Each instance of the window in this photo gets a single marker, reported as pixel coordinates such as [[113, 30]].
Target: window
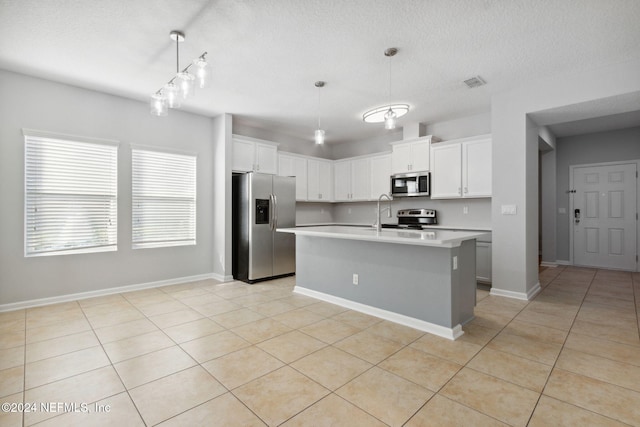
[[70, 195], [164, 199]]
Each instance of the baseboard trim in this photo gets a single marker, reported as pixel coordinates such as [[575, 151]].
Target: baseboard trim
[[563, 262], [221, 278], [103, 292], [517, 295], [548, 264], [432, 328]]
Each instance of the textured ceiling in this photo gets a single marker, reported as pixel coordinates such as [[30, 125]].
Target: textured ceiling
[[267, 54]]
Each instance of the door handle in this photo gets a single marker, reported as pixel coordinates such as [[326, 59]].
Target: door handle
[[272, 208], [576, 216], [275, 212]]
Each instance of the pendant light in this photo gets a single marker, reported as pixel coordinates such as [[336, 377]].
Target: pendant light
[[183, 83], [391, 112], [159, 104], [319, 134]]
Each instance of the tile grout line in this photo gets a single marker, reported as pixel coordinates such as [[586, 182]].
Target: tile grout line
[[563, 347], [563, 344], [468, 361]]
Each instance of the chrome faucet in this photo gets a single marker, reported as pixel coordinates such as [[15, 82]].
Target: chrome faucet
[[378, 224]]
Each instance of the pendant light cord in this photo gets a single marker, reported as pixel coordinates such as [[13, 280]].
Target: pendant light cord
[[177, 54], [389, 93], [319, 107]]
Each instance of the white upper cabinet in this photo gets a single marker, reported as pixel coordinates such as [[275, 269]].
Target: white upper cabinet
[[294, 166], [476, 168], [446, 171], [352, 180], [380, 175], [319, 180], [251, 154], [411, 156], [461, 168], [342, 181], [361, 179]]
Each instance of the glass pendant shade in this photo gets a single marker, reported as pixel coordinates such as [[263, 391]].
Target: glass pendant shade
[[158, 105], [202, 72], [186, 84], [390, 119], [319, 136], [172, 94]]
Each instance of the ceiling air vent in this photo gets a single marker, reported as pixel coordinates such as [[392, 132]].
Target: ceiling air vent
[[475, 82]]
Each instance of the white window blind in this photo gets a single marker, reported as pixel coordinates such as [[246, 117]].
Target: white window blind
[[70, 196], [164, 199]]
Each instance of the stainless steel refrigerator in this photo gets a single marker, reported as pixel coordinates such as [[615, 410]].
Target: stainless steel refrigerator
[[261, 204]]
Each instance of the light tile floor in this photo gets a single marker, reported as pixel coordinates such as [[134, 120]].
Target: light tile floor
[[210, 353]]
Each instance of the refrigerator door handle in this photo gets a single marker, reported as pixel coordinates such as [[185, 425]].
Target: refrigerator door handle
[[271, 209], [275, 212]]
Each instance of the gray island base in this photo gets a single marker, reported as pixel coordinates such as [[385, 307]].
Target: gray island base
[[425, 280]]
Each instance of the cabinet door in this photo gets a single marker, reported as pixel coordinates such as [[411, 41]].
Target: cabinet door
[[285, 165], [300, 172], [483, 262], [476, 168], [401, 158], [446, 171], [342, 181], [266, 158], [380, 176], [243, 156], [294, 166], [325, 180], [360, 179], [319, 180], [420, 156]]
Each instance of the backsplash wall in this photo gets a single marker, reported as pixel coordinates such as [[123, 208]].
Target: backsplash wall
[[314, 213], [450, 212]]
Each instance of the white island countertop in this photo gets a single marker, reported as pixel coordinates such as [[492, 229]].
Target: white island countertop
[[438, 238]]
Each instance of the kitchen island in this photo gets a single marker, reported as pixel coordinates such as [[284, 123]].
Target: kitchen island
[[422, 279]]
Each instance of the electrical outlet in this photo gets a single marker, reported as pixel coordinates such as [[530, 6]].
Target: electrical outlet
[[465, 210], [355, 278], [455, 262]]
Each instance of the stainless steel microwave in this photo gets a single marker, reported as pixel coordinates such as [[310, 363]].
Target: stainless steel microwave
[[410, 184]]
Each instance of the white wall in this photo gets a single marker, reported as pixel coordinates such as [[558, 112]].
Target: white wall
[[363, 147], [221, 194], [515, 162], [28, 102], [477, 124], [598, 147], [287, 143]]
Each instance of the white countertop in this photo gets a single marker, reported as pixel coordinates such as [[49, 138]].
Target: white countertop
[[437, 227], [438, 238]]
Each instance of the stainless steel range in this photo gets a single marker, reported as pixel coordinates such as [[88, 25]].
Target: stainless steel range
[[414, 218]]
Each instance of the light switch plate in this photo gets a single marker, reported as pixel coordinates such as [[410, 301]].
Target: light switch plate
[[562, 210], [509, 209]]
